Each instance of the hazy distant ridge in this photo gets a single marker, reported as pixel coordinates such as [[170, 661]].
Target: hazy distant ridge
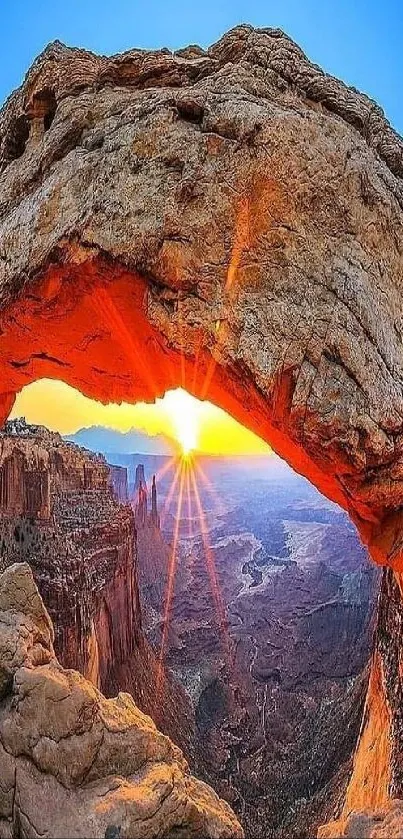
[[100, 439]]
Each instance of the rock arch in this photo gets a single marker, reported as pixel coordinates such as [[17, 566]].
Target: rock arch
[[227, 220]]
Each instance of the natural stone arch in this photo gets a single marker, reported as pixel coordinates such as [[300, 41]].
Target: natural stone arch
[[229, 221]]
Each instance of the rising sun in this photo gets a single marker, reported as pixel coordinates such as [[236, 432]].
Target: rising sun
[[184, 414]]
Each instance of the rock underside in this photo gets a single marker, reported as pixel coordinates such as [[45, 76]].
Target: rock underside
[[227, 220]]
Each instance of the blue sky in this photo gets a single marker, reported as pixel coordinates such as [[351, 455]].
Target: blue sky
[[358, 40]]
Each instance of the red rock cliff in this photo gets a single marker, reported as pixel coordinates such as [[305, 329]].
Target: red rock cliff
[[377, 778], [81, 545], [35, 462]]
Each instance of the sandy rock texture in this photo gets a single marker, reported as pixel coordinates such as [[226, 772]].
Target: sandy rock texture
[[73, 763], [379, 824], [373, 804], [229, 220]]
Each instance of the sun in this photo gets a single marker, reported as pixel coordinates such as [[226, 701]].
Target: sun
[[183, 411]]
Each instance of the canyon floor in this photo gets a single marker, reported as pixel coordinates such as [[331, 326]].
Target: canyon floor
[[269, 630]]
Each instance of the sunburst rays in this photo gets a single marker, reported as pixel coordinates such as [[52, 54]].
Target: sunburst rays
[[187, 472], [173, 561], [187, 492]]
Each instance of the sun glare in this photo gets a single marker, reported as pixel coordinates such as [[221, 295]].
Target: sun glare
[[184, 415], [187, 422]]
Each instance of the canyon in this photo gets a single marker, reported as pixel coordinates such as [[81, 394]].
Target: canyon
[[270, 630], [230, 221], [80, 543], [266, 643], [268, 635]]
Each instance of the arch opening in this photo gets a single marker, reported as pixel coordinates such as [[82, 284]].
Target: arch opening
[[263, 635], [118, 336]]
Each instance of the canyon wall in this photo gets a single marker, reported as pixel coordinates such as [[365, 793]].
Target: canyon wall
[[81, 546], [373, 803], [118, 483], [74, 764], [153, 551], [28, 474]]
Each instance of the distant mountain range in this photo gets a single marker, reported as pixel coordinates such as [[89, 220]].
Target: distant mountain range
[[107, 440]]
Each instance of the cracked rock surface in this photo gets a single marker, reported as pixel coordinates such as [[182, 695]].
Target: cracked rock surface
[[73, 763]]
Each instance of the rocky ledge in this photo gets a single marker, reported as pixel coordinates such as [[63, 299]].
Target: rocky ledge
[[73, 763], [386, 823]]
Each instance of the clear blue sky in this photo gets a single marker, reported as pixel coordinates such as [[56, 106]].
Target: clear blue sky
[[358, 40]]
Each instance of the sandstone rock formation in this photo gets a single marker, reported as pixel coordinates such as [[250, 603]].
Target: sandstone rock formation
[[34, 463], [227, 220], [118, 483], [155, 519], [81, 545], [377, 777], [76, 764]]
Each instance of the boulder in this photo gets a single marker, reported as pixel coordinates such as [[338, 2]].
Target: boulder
[[74, 764]]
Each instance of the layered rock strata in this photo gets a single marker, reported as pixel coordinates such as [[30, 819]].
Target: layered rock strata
[[228, 220], [153, 551], [35, 464], [118, 483], [76, 764], [83, 556]]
